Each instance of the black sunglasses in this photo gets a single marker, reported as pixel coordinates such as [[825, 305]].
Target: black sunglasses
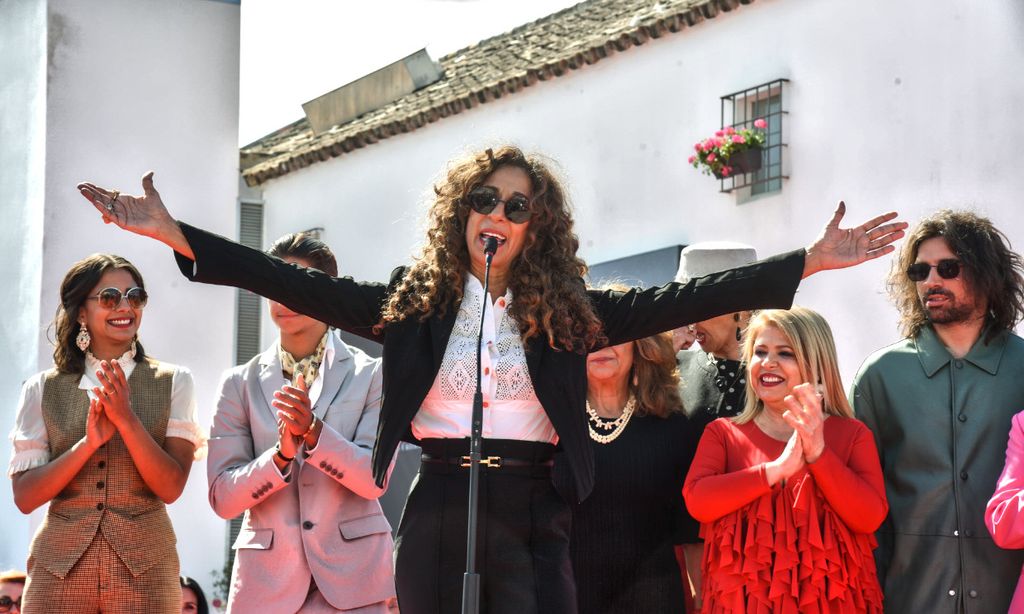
[[484, 199], [6, 603], [947, 269], [110, 298]]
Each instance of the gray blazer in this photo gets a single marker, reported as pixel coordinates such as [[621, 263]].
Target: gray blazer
[[322, 521]]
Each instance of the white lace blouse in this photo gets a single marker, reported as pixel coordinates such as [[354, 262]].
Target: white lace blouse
[[31, 444], [511, 407]]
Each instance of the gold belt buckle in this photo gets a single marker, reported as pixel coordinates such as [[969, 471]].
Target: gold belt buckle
[[491, 462]]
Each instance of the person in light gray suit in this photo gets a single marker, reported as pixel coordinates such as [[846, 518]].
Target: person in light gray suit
[[290, 447]]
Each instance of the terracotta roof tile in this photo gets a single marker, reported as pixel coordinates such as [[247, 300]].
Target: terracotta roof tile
[[493, 68]]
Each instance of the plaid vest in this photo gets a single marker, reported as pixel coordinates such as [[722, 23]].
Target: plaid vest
[[108, 494]]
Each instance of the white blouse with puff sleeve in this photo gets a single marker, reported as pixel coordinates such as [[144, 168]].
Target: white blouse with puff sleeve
[[31, 445]]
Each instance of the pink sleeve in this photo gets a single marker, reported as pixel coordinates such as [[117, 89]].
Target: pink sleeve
[[1003, 514], [856, 488], [709, 491]]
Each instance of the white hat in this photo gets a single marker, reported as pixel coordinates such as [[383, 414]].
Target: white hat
[[709, 257]]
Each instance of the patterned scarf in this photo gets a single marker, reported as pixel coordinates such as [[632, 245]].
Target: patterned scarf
[[309, 366]]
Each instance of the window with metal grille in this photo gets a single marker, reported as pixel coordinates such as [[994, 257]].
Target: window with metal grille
[[740, 110]]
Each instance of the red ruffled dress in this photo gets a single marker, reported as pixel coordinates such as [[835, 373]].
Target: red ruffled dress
[[800, 547]]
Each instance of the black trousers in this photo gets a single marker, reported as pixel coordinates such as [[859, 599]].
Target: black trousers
[[522, 544]]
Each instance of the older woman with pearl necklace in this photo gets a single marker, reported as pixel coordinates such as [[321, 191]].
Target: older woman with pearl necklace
[[623, 534]]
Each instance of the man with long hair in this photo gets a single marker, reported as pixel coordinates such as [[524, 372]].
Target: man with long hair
[[940, 404]]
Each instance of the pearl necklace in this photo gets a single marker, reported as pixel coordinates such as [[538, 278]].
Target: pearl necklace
[[616, 425]]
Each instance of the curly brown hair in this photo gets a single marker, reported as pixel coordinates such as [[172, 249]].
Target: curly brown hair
[[546, 277], [989, 268], [78, 282]]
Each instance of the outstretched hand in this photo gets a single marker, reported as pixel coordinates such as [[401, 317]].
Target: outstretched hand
[[837, 248], [145, 215]]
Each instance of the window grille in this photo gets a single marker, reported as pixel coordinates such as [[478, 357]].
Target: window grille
[[740, 110]]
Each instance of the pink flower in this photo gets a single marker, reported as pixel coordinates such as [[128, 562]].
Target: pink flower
[[711, 157], [217, 603], [736, 138], [699, 147], [726, 170], [719, 133], [730, 131], [760, 123], [691, 159]]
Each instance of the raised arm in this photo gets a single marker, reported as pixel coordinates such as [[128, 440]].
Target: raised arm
[[144, 215], [208, 258], [770, 283], [837, 248], [1004, 514]]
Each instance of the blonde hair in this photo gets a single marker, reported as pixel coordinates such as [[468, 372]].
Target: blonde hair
[[811, 339]]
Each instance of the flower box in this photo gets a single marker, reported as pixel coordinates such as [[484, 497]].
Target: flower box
[[730, 151], [746, 161]]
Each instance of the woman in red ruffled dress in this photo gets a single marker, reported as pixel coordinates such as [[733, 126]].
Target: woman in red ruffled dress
[[790, 492]]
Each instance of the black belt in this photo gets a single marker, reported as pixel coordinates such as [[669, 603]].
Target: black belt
[[489, 462], [496, 454]]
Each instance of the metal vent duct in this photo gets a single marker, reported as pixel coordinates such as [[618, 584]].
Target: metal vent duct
[[372, 92]]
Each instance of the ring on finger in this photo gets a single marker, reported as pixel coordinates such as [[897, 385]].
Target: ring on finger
[[113, 199]]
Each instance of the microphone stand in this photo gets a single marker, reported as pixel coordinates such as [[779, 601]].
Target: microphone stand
[[471, 579]]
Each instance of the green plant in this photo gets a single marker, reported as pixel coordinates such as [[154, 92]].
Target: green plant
[[221, 585], [713, 154]]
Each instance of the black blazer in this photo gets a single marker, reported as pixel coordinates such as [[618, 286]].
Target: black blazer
[[413, 350]]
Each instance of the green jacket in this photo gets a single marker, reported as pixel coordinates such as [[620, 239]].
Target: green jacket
[[941, 426]]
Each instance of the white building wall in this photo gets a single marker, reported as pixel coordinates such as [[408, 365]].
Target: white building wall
[[22, 151], [131, 85], [909, 106]]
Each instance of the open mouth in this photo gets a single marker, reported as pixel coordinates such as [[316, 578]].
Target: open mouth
[[770, 379], [120, 322], [487, 233]]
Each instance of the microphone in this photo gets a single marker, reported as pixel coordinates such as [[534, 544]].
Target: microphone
[[471, 579], [490, 247]]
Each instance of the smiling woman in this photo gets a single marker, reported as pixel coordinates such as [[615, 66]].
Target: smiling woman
[[539, 322], [797, 465], [107, 437]]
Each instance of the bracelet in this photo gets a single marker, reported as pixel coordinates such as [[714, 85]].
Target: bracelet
[[278, 453], [312, 425]]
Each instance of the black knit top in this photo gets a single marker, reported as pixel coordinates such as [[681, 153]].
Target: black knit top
[[624, 533]]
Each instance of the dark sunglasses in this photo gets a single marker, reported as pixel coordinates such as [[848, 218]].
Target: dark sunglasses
[[947, 269], [6, 603], [110, 298], [484, 199]]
